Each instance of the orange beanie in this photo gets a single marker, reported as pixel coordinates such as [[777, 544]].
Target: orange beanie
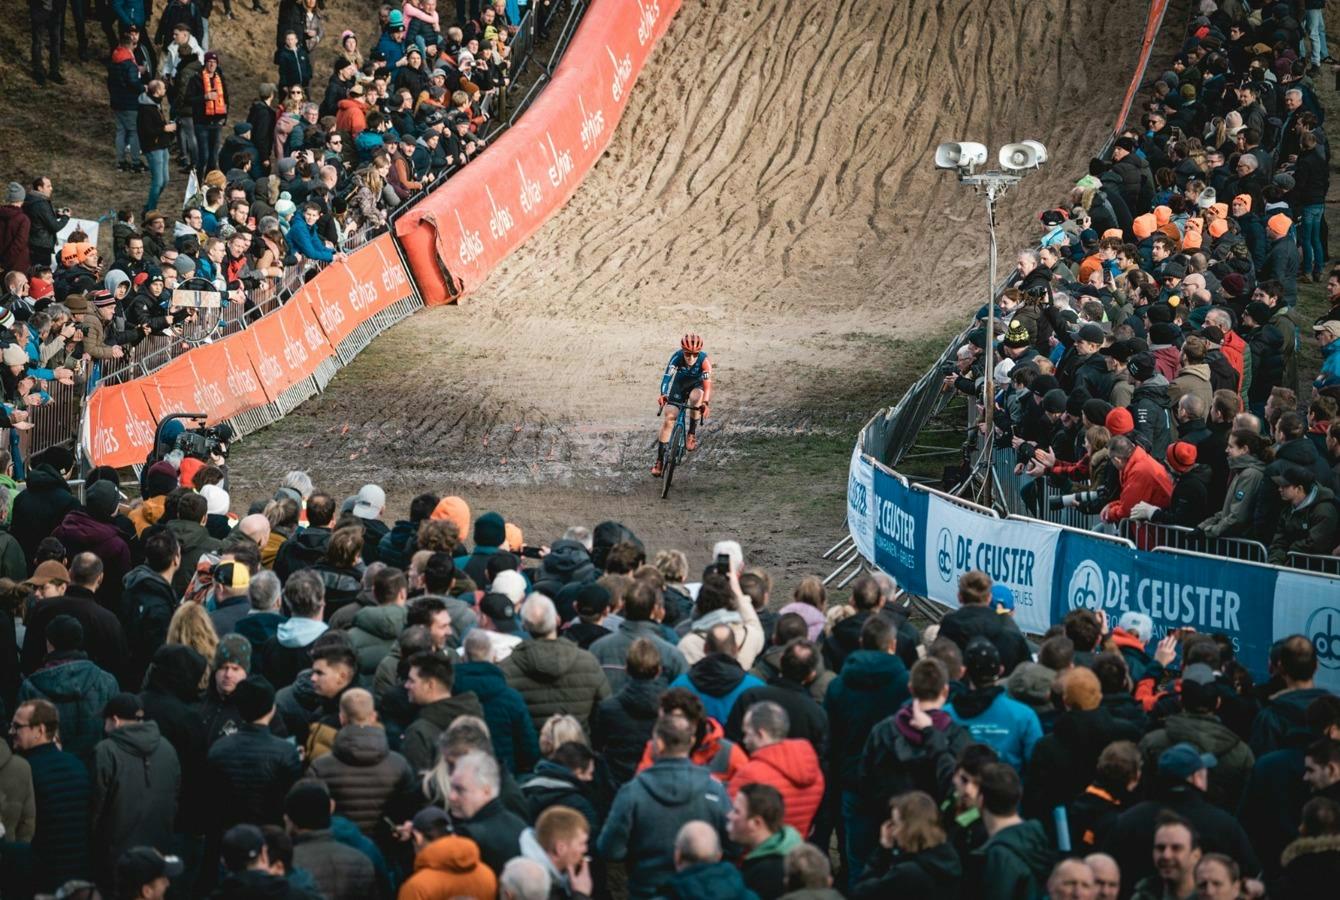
[[1191, 239], [1278, 225], [186, 472], [1245, 200], [1144, 226], [515, 540], [1114, 233], [454, 510], [1219, 210], [1162, 215], [1218, 228]]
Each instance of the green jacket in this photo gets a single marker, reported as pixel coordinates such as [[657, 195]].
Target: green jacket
[[1312, 527], [1209, 735], [1015, 863], [375, 631], [13, 564], [1246, 481], [136, 783]]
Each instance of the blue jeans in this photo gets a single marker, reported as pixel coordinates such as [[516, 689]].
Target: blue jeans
[[127, 136], [1309, 237], [207, 140], [1314, 27], [158, 176], [862, 835]]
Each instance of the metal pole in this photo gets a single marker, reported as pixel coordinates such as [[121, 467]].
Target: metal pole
[[988, 382]]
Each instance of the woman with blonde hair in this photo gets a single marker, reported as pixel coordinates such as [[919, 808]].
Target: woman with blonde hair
[[809, 601], [558, 730], [191, 627]]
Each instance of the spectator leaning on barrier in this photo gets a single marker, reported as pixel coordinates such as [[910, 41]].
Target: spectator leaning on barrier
[[1310, 520]]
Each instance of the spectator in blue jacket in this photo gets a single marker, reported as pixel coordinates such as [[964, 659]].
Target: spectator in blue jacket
[[649, 811], [717, 678], [124, 86], [511, 728], [305, 240], [392, 43], [1008, 726]]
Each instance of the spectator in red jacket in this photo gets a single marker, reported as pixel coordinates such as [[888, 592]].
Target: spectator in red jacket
[[788, 764], [1142, 479], [14, 229]]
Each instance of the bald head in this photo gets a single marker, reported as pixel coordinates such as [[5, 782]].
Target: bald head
[[720, 639], [256, 527], [696, 843], [1072, 879], [357, 708], [1106, 875], [478, 647]]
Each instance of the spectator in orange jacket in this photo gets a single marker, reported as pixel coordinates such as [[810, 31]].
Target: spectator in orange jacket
[[1142, 479], [788, 764], [722, 758]]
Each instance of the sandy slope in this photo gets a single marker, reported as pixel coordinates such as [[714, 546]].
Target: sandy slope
[[771, 186]]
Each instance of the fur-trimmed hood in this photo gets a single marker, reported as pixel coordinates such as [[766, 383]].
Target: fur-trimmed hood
[[1306, 846]]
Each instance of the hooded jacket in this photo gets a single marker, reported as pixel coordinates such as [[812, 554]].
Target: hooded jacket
[[719, 681], [552, 784], [1152, 410], [1312, 527], [556, 676], [150, 601], [170, 699], [1194, 378], [898, 757], [63, 792], [764, 867], [367, 780], [1008, 726], [80, 532], [289, 652], [935, 872], [871, 687], [1129, 838], [845, 638], [420, 742], [341, 871], [792, 767], [515, 742], [622, 726], [45, 500], [1142, 479], [721, 758], [123, 80], [1209, 735], [768, 667], [1065, 761], [79, 690], [807, 717], [1242, 503], [1281, 716], [302, 551], [496, 830], [1015, 863], [648, 813], [136, 785], [18, 807], [1311, 868], [195, 542], [743, 622], [611, 652], [719, 880], [376, 630], [449, 867]]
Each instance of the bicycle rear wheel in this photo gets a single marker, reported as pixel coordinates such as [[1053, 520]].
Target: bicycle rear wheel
[[672, 455]]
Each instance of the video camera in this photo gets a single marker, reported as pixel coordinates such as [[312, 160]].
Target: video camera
[[205, 443]]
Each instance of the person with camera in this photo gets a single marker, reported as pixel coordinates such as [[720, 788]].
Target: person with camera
[[1143, 480]]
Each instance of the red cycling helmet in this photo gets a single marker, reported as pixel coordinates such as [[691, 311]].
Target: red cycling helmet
[[693, 343]]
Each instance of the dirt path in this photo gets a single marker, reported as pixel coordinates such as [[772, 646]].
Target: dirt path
[[771, 187]]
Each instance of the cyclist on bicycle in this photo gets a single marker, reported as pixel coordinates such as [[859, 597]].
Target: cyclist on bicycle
[[687, 382]]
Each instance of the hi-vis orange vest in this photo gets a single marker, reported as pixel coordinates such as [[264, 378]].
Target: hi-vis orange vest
[[219, 105]]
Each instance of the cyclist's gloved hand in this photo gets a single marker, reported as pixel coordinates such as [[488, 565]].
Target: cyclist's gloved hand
[[660, 401]]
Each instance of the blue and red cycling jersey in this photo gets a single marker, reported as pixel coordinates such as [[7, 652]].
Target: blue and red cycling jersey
[[680, 379]]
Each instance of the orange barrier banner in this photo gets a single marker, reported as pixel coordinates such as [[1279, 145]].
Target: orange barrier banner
[[1157, 8], [248, 369], [475, 219]]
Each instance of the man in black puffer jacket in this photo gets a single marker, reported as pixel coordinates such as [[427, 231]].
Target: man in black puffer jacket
[[63, 792], [251, 770], [46, 222], [622, 724], [1150, 406]]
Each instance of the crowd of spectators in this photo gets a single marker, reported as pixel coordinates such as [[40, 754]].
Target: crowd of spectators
[[1148, 361], [282, 176], [313, 700]]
